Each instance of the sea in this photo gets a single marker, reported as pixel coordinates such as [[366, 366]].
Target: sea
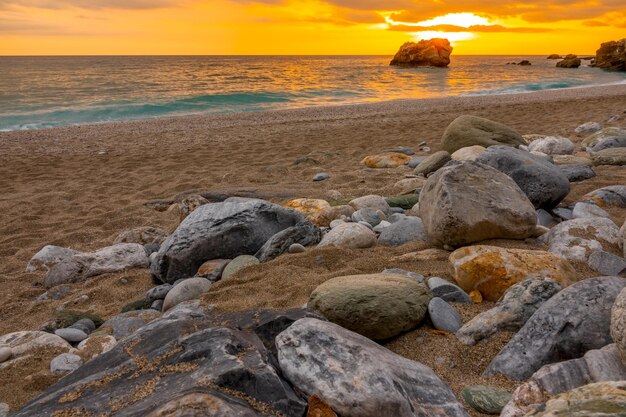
[[44, 92]]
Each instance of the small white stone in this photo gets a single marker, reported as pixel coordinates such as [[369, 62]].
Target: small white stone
[[296, 248]]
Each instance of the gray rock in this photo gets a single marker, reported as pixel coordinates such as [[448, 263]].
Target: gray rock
[[611, 196], [448, 291], [4, 409], [467, 202], [606, 133], [241, 262], [71, 335], [618, 324], [85, 324], [563, 213], [350, 235], [511, 312], [366, 224], [65, 363], [577, 172], [471, 130], [486, 399], [432, 163], [543, 182], [610, 156], [368, 215], [304, 233], [606, 263], [159, 292], [444, 316], [403, 231], [219, 231], [324, 359], [381, 226], [378, 306], [408, 274], [125, 324], [189, 289], [81, 266], [49, 256], [572, 322], [576, 239], [607, 143], [415, 161], [587, 210], [296, 248], [372, 201], [400, 149], [321, 176], [25, 342], [589, 127], [552, 145], [157, 305], [143, 236], [5, 353], [545, 219]]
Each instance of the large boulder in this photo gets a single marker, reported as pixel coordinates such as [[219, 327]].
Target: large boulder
[[618, 324], [605, 134], [425, 53], [378, 306], [466, 202], [219, 231], [569, 63], [611, 56], [492, 270], [544, 183], [566, 326], [471, 130], [358, 377]]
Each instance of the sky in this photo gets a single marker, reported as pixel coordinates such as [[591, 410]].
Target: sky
[[304, 27]]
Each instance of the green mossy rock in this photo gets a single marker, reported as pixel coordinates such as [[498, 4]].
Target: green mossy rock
[[486, 399]]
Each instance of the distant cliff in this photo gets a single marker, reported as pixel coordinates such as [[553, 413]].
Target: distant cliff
[[612, 56], [425, 53]]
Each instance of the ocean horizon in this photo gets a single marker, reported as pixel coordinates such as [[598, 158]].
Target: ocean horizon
[[49, 91]]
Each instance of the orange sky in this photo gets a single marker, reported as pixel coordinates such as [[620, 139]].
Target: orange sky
[[68, 27]]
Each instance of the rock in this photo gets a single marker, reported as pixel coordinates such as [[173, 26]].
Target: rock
[[143, 236], [378, 306], [66, 318], [572, 322], [159, 292], [468, 153], [492, 270], [622, 232], [189, 289], [447, 291], [618, 324], [368, 215], [96, 345], [350, 235], [610, 156], [432, 163], [545, 219], [402, 202], [552, 145], [431, 254], [469, 202], [238, 263], [485, 399], [296, 248], [65, 363], [86, 265], [307, 205], [576, 239], [5, 354], [577, 172], [571, 160], [611, 56], [543, 183], [304, 233], [555, 56], [381, 226], [157, 305], [425, 53], [49, 256], [444, 316], [401, 149], [403, 231], [25, 342], [219, 231], [563, 213], [467, 131], [321, 176], [587, 128], [375, 202], [611, 196], [318, 408], [313, 357], [587, 210], [212, 270], [336, 223], [323, 217], [602, 135], [594, 400], [408, 274], [4, 410], [569, 63], [511, 312], [415, 161], [386, 160], [86, 325], [476, 296], [125, 324], [409, 185], [612, 142], [71, 335]]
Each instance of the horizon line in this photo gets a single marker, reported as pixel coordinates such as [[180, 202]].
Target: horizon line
[[248, 55]]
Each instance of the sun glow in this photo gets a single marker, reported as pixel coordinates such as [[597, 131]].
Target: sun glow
[[451, 36], [457, 19]]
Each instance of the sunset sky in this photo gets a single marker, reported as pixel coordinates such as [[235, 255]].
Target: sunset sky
[[68, 27]]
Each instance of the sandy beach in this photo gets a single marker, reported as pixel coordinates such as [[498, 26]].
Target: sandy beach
[[81, 186]]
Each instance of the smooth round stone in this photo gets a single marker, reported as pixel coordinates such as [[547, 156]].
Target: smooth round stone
[[366, 224], [367, 215], [159, 292], [189, 289], [321, 176], [336, 223], [588, 209], [381, 226], [71, 335], [85, 323], [444, 316], [157, 305], [448, 291], [5, 354], [4, 409], [296, 248], [408, 274], [65, 363], [486, 399], [238, 263]]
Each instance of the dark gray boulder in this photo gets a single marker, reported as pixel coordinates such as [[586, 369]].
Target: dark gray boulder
[[304, 233], [544, 183], [572, 322], [577, 172], [358, 377], [219, 231], [610, 196]]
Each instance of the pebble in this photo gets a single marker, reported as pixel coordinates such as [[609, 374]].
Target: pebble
[[444, 316], [321, 176], [448, 291], [71, 335], [65, 363], [159, 292], [5, 354], [296, 248]]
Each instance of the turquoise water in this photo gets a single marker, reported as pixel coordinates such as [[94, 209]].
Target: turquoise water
[[41, 92]]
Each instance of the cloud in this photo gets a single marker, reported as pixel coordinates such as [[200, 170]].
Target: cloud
[[474, 28], [89, 4]]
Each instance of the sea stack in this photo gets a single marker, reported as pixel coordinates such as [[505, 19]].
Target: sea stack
[[612, 56], [425, 53]]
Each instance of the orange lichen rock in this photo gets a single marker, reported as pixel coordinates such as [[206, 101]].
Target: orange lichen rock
[[386, 160], [307, 205], [476, 296], [318, 408]]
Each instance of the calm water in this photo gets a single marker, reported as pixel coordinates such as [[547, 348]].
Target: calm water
[[39, 92]]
